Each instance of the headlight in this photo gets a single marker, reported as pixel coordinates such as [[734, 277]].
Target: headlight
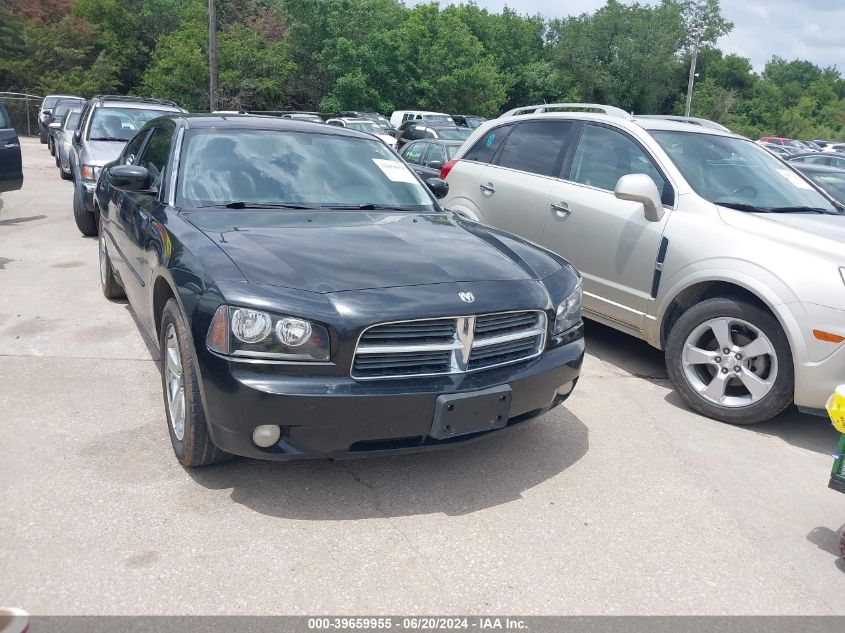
[[258, 334], [90, 172], [568, 313]]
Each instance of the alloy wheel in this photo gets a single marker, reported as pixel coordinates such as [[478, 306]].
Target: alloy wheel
[[175, 383], [730, 362]]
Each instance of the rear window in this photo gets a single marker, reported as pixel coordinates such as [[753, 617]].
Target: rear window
[[485, 147], [535, 147], [4, 120]]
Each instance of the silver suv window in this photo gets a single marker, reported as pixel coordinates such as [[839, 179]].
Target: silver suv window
[[535, 147], [604, 155], [737, 172]]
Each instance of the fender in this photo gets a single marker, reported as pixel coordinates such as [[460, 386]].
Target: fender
[[758, 281]]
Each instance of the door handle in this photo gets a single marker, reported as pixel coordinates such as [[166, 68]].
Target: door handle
[[560, 210], [488, 188]]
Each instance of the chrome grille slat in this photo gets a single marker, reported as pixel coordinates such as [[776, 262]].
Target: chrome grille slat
[[448, 345]]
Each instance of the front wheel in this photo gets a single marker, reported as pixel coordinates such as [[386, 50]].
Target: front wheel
[[180, 385], [42, 133], [86, 221], [730, 360], [108, 282]]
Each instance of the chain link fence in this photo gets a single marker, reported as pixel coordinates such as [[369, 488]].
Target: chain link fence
[[23, 111]]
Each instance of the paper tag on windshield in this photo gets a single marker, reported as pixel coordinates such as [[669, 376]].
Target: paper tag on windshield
[[795, 179], [394, 170]]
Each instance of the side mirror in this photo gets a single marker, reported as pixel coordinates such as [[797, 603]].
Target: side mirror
[[129, 177], [641, 188], [55, 125], [77, 136], [440, 188], [47, 113], [435, 164]]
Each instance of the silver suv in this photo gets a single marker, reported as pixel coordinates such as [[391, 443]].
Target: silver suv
[[692, 238], [105, 125]]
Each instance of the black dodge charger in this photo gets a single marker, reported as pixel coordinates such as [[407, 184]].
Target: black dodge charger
[[310, 298]]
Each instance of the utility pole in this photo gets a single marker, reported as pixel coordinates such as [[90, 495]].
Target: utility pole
[[212, 55], [692, 70]]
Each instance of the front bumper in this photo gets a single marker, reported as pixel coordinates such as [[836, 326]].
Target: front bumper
[[338, 417]]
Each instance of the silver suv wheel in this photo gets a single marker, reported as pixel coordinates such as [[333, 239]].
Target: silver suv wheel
[[730, 362]]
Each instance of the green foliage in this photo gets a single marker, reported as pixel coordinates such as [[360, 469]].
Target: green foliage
[[380, 55]]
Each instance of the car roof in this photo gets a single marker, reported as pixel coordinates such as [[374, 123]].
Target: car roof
[[261, 122]]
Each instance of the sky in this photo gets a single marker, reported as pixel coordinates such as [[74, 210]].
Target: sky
[[802, 29]]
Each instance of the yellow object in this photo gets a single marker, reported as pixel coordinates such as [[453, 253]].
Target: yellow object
[[836, 408]]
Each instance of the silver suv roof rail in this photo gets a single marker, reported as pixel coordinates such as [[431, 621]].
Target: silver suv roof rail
[[685, 119], [548, 107]]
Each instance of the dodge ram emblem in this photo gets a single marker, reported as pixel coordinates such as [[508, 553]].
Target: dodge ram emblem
[[466, 297]]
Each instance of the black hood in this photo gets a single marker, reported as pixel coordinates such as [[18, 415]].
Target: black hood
[[334, 251]]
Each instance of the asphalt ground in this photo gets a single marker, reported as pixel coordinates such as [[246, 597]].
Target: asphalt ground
[[621, 502]]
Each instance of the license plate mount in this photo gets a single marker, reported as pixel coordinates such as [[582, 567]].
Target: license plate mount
[[471, 412]]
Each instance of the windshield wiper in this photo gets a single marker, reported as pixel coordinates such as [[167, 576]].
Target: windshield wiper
[[108, 138], [367, 206], [238, 204], [739, 206]]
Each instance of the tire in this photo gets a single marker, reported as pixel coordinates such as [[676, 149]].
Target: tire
[[108, 282], [86, 221], [755, 387], [194, 447], [64, 175], [42, 133], [51, 146]]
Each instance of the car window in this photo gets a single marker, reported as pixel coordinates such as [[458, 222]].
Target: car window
[[118, 123], [4, 120], [836, 161], [71, 121], [535, 147], [335, 123], [604, 155], [833, 183], [286, 167], [485, 147], [49, 102], [736, 171], [155, 154], [412, 153], [435, 153], [130, 152]]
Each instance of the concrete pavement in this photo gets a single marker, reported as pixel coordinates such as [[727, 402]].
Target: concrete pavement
[[624, 502]]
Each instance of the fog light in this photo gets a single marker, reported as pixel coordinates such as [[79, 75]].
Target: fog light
[[266, 435], [565, 390]]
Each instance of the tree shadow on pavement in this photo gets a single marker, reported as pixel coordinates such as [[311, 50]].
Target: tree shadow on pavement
[[828, 540], [454, 481]]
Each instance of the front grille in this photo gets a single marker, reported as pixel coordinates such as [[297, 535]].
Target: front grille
[[448, 345]]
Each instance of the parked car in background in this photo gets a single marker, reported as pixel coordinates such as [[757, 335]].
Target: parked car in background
[[364, 125], [820, 158], [57, 116], [428, 157], [62, 138], [783, 151], [693, 239], [822, 144], [45, 113], [468, 120], [310, 117], [400, 116], [375, 117], [796, 145], [831, 179], [106, 123], [414, 130], [11, 169], [835, 147], [323, 304]]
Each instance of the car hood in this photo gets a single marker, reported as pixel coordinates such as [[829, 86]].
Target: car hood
[[815, 231], [102, 152], [334, 251]]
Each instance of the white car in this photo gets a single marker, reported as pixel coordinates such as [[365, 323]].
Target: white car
[[400, 116], [692, 238], [364, 125]]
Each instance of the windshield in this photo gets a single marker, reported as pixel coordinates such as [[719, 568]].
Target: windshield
[[832, 182], [275, 167], [72, 120], [733, 171], [49, 102], [62, 107], [438, 117], [120, 124], [369, 127]]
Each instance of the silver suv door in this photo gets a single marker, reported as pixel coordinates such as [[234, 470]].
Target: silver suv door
[[608, 240], [514, 188]]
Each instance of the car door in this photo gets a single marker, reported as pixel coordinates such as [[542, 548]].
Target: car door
[[608, 240], [11, 172], [513, 190], [433, 161], [146, 206], [118, 218]]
